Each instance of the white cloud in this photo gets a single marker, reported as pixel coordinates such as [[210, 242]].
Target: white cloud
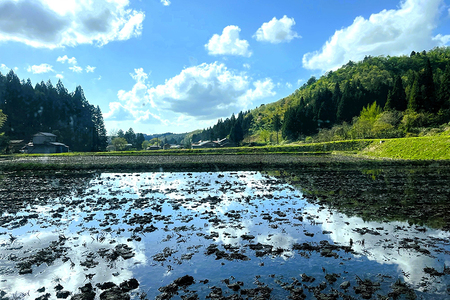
[[209, 91], [132, 105], [277, 31], [60, 76], [63, 59], [203, 92], [117, 112], [389, 32], [55, 23], [76, 69], [90, 69], [263, 88], [4, 68], [39, 69], [246, 66], [165, 2], [228, 43]]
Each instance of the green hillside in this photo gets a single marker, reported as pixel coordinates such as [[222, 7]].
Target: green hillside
[[378, 97]]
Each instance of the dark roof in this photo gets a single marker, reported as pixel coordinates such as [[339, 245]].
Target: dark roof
[[58, 144], [44, 134], [16, 141]]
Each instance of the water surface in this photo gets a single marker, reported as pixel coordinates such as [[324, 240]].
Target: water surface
[[236, 233]]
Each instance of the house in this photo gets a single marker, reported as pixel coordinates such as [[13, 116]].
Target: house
[[154, 147], [204, 144], [214, 144], [44, 142], [226, 143]]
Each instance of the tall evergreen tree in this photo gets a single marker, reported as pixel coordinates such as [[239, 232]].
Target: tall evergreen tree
[[291, 125], [428, 89], [139, 140], [100, 139], [276, 124], [337, 94], [415, 100], [13, 106], [396, 99], [444, 90], [130, 136], [236, 133], [346, 104]]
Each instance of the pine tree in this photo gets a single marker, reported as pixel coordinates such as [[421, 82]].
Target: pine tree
[[346, 103], [415, 96], [13, 106], [428, 89], [290, 127], [444, 90], [276, 124], [130, 136], [139, 140], [396, 99], [100, 140], [236, 133]]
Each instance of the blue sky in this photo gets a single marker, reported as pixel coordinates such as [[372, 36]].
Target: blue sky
[[176, 66]]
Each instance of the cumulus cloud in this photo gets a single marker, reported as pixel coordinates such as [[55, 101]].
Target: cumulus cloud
[[389, 32], [118, 112], [228, 43], [76, 69], [90, 69], [132, 105], [39, 69], [262, 89], [64, 59], [60, 76], [55, 23], [165, 2], [209, 91], [203, 92], [276, 31]]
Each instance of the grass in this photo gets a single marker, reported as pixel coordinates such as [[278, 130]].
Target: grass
[[417, 148]]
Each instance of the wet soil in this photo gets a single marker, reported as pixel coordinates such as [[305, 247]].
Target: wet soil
[[226, 235]]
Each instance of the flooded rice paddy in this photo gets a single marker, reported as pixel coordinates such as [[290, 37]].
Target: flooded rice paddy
[[351, 234]]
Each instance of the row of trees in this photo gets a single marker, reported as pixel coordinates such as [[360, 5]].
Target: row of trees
[[46, 108], [125, 140], [236, 128]]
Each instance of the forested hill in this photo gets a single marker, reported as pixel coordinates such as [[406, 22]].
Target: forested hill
[[46, 108], [411, 91]]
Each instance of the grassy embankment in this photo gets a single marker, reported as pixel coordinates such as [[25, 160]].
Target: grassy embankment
[[415, 148]]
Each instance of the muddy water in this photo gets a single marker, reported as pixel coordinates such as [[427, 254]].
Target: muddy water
[[221, 235]]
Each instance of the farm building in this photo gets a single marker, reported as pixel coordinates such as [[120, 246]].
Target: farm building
[[44, 142], [214, 144]]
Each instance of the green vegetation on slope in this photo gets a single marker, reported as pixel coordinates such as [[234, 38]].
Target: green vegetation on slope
[[417, 148], [407, 94]]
